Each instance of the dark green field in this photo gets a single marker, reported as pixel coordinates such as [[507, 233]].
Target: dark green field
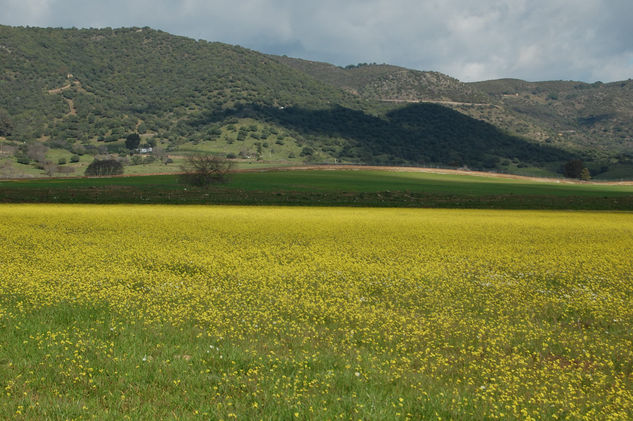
[[329, 187]]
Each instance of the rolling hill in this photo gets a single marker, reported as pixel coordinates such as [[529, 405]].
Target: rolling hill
[[593, 119], [67, 95]]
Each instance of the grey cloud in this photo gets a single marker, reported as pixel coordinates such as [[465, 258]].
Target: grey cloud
[[529, 39]]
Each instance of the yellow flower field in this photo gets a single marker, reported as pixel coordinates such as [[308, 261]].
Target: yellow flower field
[[181, 312]]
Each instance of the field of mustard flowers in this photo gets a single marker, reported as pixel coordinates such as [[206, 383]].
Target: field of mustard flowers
[[167, 312]]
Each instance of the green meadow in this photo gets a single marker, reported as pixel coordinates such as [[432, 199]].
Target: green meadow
[[330, 187]]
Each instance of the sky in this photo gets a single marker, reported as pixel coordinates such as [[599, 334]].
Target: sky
[[472, 40]]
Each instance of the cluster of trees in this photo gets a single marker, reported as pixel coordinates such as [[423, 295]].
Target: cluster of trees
[[36, 153], [355, 66], [199, 170], [104, 167]]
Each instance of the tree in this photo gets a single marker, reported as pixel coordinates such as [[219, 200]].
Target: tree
[[102, 167], [585, 175], [573, 168], [36, 151], [203, 170], [132, 141], [49, 167]]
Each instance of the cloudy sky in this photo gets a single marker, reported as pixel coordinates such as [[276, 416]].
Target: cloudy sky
[[586, 40]]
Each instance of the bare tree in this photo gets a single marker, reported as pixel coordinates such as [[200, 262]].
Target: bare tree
[[203, 170], [49, 167], [6, 169], [37, 152]]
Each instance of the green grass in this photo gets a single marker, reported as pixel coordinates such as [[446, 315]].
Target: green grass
[[379, 181], [330, 187], [161, 370], [228, 142]]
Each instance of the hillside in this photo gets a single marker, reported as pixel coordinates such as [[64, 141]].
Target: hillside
[[597, 116], [138, 72], [384, 82], [67, 95], [593, 119]]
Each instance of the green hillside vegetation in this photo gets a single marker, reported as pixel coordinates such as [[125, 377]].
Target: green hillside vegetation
[[574, 114], [591, 119], [68, 95], [127, 79], [384, 82]]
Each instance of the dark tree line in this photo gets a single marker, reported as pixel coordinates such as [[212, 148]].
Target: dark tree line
[[104, 167]]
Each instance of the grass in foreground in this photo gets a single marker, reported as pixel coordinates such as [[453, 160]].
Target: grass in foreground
[[314, 313], [325, 187]]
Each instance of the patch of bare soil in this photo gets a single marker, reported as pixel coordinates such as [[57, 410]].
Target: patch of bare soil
[[59, 90], [71, 107]]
